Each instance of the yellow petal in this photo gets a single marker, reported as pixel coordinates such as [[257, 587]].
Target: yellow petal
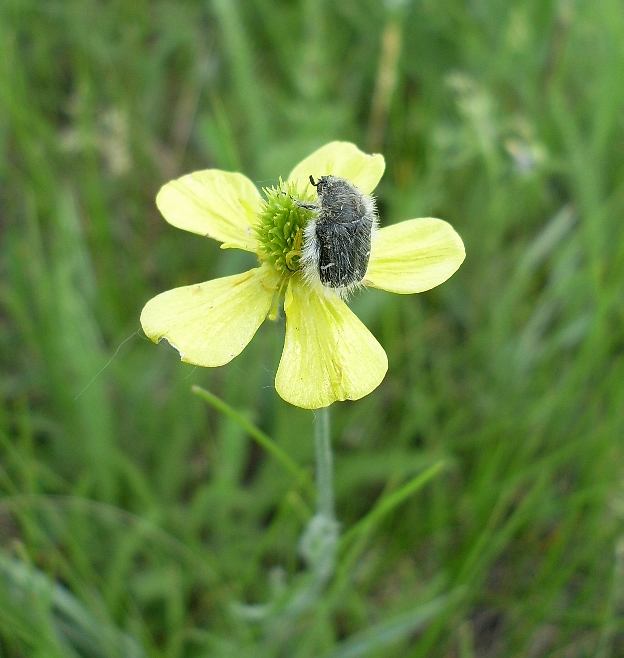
[[218, 204], [328, 353], [413, 256], [340, 159], [211, 323]]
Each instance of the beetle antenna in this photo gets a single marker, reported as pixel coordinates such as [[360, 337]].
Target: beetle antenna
[[312, 181]]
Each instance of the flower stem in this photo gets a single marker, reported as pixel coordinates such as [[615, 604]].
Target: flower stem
[[324, 465], [319, 542]]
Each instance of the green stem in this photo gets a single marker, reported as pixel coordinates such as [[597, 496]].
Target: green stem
[[324, 465], [319, 542]]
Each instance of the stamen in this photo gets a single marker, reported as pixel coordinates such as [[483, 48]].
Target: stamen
[[295, 252]]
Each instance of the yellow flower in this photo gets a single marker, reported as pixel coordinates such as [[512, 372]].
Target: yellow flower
[[328, 353]]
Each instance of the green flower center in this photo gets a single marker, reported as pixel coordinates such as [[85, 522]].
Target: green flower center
[[281, 222]]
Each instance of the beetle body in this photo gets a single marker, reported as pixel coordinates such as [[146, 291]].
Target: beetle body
[[337, 242]]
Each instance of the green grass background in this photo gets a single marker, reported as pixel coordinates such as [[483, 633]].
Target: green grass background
[[137, 520]]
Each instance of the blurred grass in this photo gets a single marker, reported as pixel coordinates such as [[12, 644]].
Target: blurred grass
[[134, 520]]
